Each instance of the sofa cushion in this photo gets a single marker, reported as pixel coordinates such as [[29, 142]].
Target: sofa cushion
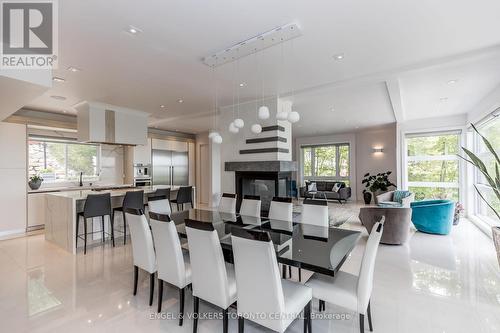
[[398, 196], [336, 187], [322, 186]]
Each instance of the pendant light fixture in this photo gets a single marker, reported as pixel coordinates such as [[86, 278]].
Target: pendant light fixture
[[256, 128], [281, 113], [238, 122], [214, 134], [263, 109], [232, 128]]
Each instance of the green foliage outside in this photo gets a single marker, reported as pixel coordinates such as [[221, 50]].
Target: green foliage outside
[[325, 161]]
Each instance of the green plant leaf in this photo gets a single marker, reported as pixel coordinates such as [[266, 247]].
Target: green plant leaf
[[487, 144], [486, 201]]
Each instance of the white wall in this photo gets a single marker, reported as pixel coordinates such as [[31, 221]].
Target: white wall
[[13, 177], [487, 105], [368, 161]]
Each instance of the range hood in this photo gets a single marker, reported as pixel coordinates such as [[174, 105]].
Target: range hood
[[111, 124]]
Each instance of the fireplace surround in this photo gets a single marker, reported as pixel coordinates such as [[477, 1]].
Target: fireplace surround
[[266, 179]]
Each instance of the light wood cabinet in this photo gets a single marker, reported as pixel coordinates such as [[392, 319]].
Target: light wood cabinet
[[142, 153], [36, 209]]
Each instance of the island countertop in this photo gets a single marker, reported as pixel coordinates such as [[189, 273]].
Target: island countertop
[[82, 195]]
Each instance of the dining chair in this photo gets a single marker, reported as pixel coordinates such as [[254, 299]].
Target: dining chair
[[260, 287], [282, 209], [184, 196], [212, 278], [348, 290], [250, 206], [227, 203], [159, 205], [314, 212], [96, 205], [173, 265], [133, 200], [143, 252]]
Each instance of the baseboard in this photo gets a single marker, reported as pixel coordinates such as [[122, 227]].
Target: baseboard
[[4, 235]]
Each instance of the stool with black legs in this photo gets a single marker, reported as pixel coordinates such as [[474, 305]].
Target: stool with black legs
[[159, 194], [184, 195], [132, 200], [96, 205]]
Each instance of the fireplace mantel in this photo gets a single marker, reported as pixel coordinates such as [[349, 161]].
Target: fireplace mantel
[[261, 166]]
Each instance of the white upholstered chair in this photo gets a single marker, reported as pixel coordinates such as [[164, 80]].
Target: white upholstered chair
[[314, 212], [212, 278], [173, 265], [350, 291], [281, 209], [260, 287], [143, 252], [159, 206], [250, 206], [227, 203]]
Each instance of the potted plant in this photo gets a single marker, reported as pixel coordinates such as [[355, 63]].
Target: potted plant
[[375, 185], [35, 182], [493, 181]]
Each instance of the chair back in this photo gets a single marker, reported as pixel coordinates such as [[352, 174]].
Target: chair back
[[134, 200], [258, 278], [184, 195], [250, 206], [208, 269], [315, 212], [97, 205], [142, 241], [170, 260], [227, 203], [365, 278], [281, 209], [159, 206]]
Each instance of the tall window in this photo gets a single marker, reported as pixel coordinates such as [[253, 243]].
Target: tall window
[[329, 162], [491, 130], [59, 161], [433, 167]]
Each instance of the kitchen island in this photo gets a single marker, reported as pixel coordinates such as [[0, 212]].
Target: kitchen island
[[61, 209]]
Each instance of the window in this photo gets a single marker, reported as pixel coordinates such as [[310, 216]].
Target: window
[[491, 130], [59, 161], [433, 166], [329, 162]]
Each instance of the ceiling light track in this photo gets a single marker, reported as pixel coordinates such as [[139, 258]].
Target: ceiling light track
[[255, 44]]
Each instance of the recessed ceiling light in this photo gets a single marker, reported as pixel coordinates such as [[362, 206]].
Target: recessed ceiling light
[[443, 99], [451, 82], [162, 106], [338, 56], [73, 69], [180, 100], [332, 109], [242, 84], [59, 98], [58, 79], [133, 30]]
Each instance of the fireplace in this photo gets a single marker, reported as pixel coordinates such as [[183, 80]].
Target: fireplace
[[266, 179]]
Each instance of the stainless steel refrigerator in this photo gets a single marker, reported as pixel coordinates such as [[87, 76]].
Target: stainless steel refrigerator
[[170, 167]]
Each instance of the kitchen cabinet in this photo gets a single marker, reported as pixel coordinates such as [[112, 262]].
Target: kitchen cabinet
[[36, 210], [180, 146], [142, 153]]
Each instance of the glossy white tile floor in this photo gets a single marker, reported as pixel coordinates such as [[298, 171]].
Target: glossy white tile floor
[[433, 284]]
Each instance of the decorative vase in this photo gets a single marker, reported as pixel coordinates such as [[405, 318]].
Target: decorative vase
[[35, 185], [367, 196], [496, 239]]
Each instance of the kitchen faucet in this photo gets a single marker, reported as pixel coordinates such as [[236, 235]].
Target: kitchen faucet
[[81, 179]]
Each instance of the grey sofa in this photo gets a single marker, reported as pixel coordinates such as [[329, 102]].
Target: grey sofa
[[325, 190], [397, 222]]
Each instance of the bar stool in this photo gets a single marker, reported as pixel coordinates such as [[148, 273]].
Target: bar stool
[[132, 200], [96, 205], [159, 194], [184, 195]]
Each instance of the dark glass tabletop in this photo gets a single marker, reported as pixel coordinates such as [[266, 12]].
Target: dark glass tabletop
[[318, 249]]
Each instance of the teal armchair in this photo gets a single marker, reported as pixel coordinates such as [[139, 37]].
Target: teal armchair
[[433, 216]]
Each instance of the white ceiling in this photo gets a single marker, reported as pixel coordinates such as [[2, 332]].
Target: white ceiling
[[413, 42]]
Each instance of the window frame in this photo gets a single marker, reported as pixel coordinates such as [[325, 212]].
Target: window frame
[[313, 175], [66, 142], [459, 185]]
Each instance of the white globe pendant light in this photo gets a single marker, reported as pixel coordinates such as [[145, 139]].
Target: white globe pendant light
[[256, 128], [233, 128], [264, 112], [212, 134], [239, 123], [217, 139], [293, 117]]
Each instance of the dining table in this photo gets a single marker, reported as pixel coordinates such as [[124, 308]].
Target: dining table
[[320, 249]]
